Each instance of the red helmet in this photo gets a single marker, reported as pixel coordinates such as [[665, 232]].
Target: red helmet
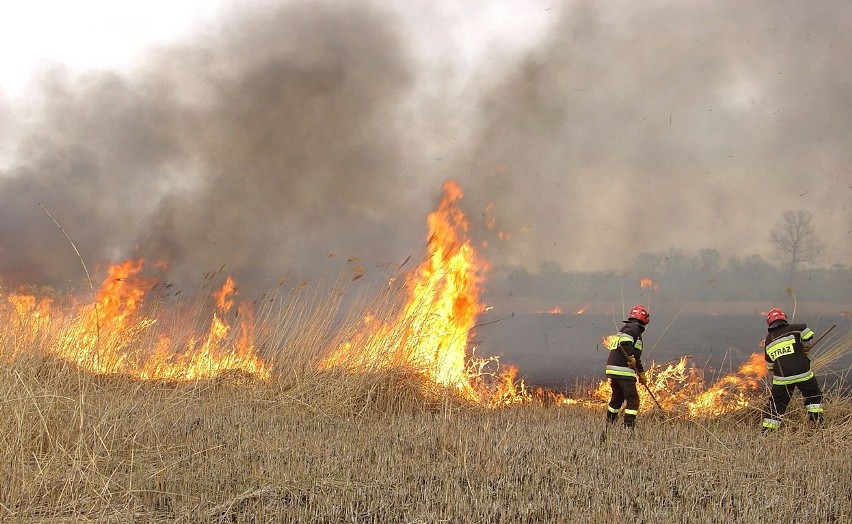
[[775, 314], [639, 313]]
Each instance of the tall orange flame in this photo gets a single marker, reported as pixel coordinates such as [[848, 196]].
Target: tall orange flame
[[431, 332]]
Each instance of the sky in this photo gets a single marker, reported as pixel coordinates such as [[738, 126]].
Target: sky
[[273, 137]]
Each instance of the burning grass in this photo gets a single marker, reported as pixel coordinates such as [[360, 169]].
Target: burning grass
[[316, 406], [312, 443]]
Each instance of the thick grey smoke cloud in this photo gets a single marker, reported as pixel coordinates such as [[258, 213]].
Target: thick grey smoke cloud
[[267, 147], [290, 133], [635, 127]]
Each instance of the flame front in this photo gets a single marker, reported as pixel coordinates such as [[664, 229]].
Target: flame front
[[680, 387], [732, 391], [101, 337], [555, 310], [430, 333], [110, 335], [217, 353]]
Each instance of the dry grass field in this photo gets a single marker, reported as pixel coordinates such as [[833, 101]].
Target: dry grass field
[[336, 448], [298, 408]]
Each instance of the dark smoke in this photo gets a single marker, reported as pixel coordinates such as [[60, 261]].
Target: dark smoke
[[289, 135], [267, 148]]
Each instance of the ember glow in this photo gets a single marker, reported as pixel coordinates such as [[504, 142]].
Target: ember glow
[[555, 310], [491, 224]]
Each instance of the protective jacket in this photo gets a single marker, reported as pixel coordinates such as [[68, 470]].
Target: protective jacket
[[629, 338], [785, 353]]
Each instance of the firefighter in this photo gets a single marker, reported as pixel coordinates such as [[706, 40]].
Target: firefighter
[[624, 367], [787, 347]]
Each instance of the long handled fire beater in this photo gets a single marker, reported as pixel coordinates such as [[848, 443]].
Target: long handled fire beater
[[822, 336], [627, 357]]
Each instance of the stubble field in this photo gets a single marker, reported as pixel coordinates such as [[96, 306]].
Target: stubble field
[[375, 448]]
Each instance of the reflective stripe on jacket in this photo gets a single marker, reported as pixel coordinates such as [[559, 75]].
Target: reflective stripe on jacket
[[630, 339], [785, 353]]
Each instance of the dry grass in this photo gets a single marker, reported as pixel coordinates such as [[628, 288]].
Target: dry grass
[[336, 448], [386, 446]]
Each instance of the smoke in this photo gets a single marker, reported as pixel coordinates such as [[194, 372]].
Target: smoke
[[266, 147], [637, 128], [294, 134]]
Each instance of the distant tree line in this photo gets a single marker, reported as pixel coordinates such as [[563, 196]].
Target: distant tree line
[[679, 276], [700, 277]]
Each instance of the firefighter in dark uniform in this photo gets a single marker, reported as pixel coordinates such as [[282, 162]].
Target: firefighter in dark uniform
[[624, 366], [787, 347]]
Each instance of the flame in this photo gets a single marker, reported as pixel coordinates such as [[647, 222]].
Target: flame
[[555, 310], [647, 283], [224, 300], [582, 310], [431, 332], [217, 353], [732, 391], [680, 387], [32, 318], [101, 337], [109, 336]]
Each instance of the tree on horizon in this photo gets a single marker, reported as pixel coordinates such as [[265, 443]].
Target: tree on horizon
[[796, 241]]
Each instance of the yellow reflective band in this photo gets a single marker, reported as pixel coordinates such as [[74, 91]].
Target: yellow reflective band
[[612, 409], [783, 381], [814, 408], [613, 341], [631, 411], [771, 424], [807, 334], [620, 371], [624, 338], [780, 347]]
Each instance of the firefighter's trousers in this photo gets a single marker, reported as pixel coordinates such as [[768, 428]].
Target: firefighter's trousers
[[780, 399], [623, 389]]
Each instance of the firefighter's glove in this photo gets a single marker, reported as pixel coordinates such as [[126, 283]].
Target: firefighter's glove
[[631, 361], [643, 379]]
